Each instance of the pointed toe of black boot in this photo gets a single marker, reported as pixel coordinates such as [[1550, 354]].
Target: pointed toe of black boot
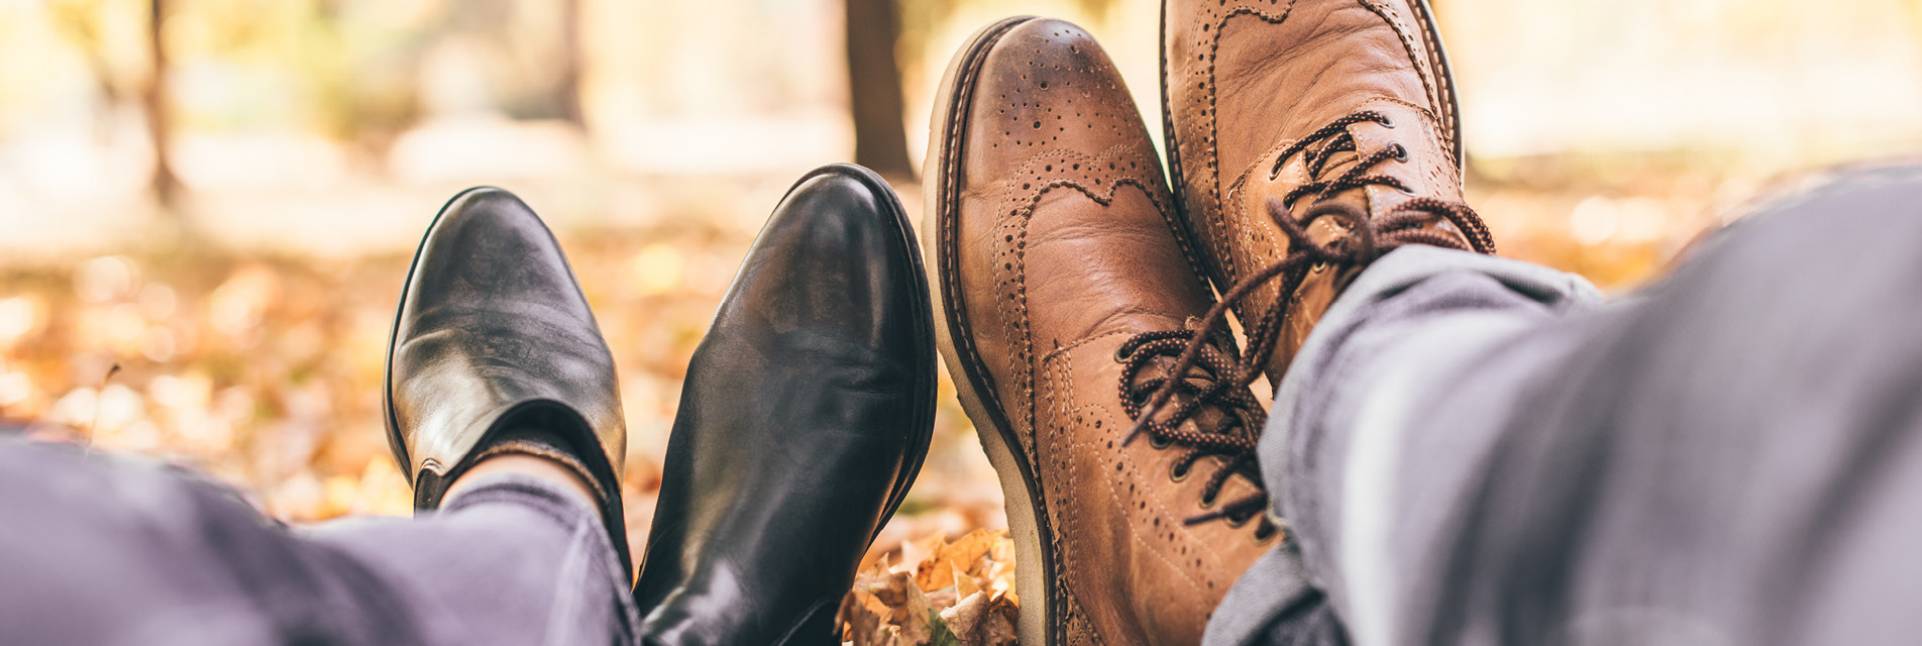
[[492, 336], [804, 418]]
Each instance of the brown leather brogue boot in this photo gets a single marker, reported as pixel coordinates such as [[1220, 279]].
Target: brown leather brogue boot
[[1294, 124], [1065, 288]]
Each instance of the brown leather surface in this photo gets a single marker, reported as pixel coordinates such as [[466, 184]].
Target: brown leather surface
[[1245, 79], [1058, 241]]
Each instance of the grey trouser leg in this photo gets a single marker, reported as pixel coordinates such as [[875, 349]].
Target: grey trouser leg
[[1473, 451], [103, 550]]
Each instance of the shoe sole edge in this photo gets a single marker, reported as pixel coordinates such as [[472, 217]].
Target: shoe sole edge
[[1034, 565]]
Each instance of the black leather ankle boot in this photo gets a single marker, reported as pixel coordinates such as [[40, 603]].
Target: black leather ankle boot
[[804, 418], [493, 336]]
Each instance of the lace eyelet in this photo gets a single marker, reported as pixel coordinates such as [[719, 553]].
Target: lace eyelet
[[1401, 153], [1208, 502], [1121, 354], [1158, 443], [1178, 473], [1274, 170], [1232, 522], [1266, 531]]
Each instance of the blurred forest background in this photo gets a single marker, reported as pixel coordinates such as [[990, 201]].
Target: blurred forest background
[[206, 206]]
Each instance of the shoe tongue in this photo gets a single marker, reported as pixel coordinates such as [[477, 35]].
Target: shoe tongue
[[1210, 417], [1428, 170], [1294, 173]]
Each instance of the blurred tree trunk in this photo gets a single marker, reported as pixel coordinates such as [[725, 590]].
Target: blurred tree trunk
[[569, 84], [874, 87], [153, 101]]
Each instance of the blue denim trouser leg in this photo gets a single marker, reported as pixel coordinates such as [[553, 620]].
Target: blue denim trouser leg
[[1472, 450], [103, 550]]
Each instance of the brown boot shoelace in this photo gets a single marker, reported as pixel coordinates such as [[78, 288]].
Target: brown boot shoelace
[[1229, 430], [1204, 365]]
